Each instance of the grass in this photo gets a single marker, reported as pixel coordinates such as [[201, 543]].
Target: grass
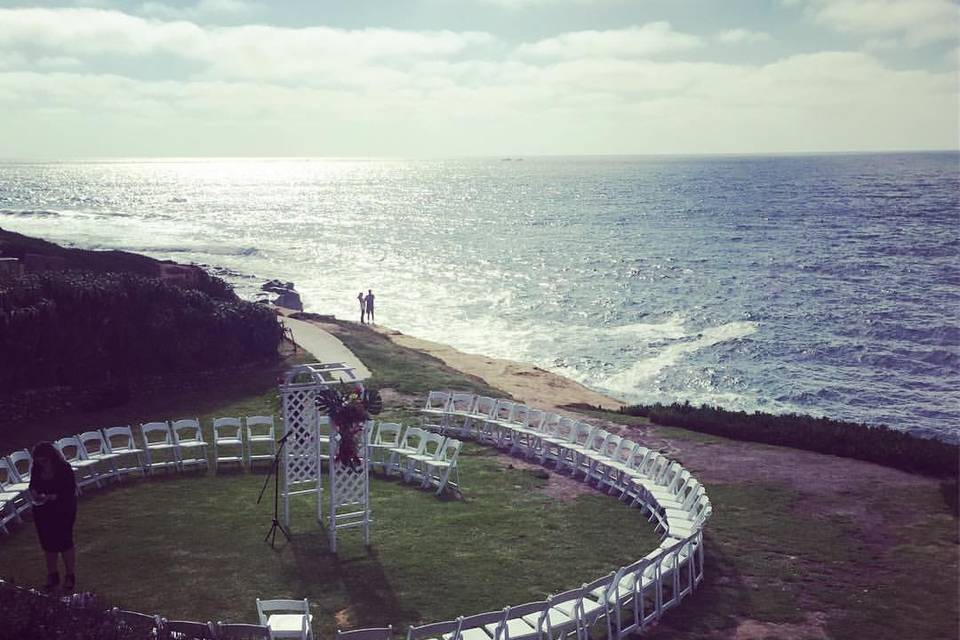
[[883, 564], [192, 548]]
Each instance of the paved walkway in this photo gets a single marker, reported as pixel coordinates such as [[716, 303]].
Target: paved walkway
[[323, 346]]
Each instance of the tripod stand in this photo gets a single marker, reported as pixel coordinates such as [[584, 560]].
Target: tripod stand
[[275, 525]]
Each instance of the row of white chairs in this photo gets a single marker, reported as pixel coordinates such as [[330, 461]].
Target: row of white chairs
[[659, 486], [278, 619], [639, 593], [417, 455], [99, 455]]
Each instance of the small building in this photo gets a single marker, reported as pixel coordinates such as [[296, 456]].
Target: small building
[[10, 267]]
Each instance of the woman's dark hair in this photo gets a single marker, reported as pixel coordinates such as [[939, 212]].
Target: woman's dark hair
[[47, 451]]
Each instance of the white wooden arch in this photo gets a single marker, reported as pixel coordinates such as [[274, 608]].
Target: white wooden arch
[[308, 445]]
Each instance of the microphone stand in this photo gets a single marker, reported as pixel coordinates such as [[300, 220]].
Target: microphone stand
[[275, 525]]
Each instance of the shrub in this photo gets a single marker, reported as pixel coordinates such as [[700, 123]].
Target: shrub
[[28, 615], [878, 444], [78, 328]]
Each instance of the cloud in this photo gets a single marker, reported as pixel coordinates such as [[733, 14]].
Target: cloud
[[914, 22], [202, 10], [743, 36], [258, 89], [234, 52], [651, 39]]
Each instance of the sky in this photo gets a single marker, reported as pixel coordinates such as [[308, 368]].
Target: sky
[[452, 78]]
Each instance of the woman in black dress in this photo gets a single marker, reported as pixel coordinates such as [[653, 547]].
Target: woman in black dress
[[53, 491]]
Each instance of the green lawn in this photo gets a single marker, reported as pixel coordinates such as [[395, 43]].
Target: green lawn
[[192, 547]]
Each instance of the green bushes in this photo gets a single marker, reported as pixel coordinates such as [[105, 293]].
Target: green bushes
[[27, 615], [881, 445], [78, 328]]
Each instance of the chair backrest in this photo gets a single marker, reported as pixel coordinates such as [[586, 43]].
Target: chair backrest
[[597, 440], [70, 448], [450, 451], [535, 418], [639, 457], [431, 445], [437, 401], [119, 439], [485, 406], [605, 587], [226, 428], [187, 430], [609, 447], [660, 468], [388, 433], [187, 630], [21, 461], [503, 411], [574, 599], [521, 413], [462, 403], [583, 434], [372, 633], [448, 629], [261, 426], [412, 438], [267, 607], [568, 428], [240, 631], [537, 609], [480, 621], [8, 472], [147, 625], [550, 425], [156, 433], [93, 442], [624, 451]]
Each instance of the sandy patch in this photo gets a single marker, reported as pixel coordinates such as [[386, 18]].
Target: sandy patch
[[811, 629], [527, 383]]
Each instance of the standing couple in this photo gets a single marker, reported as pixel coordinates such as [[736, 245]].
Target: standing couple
[[366, 305]]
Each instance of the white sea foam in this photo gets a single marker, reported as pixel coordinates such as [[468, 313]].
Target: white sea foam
[[629, 381]]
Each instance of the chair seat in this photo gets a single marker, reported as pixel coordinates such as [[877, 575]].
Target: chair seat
[[260, 439], [161, 445], [16, 487], [82, 464], [556, 617], [191, 444], [286, 622], [119, 451], [233, 441], [474, 633], [517, 628]]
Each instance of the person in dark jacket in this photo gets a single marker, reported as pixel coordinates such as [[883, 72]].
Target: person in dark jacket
[[53, 491]]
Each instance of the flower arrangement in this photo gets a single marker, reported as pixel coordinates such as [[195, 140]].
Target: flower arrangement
[[348, 408]]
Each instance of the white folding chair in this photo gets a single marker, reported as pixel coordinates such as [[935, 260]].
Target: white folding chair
[[387, 437], [512, 428], [188, 436], [22, 462], [434, 411], [603, 460], [261, 439], [410, 444], [527, 438], [478, 626], [84, 469], [9, 511], [120, 442], [576, 446], [446, 630], [593, 452], [482, 411], [96, 448], [459, 410], [10, 479], [525, 622], [595, 604], [437, 470], [227, 441], [286, 618], [502, 414], [143, 625], [159, 446], [372, 633], [414, 464]]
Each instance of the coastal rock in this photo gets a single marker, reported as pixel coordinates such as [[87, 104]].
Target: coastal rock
[[289, 300], [277, 286], [287, 297]]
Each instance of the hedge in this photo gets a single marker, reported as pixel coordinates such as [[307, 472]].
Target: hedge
[[878, 444], [77, 328]]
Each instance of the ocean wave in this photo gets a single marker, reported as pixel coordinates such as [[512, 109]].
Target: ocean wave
[[30, 213], [626, 382]]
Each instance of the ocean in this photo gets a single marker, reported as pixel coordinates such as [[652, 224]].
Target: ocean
[[826, 284]]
